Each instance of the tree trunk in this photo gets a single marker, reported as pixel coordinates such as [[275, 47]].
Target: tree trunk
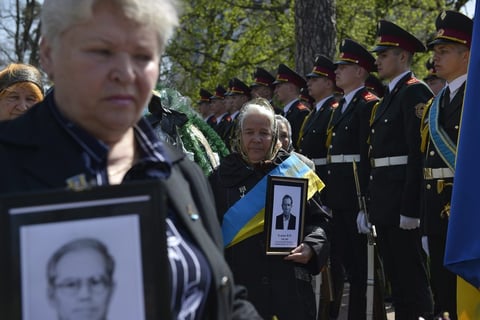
[[315, 30]]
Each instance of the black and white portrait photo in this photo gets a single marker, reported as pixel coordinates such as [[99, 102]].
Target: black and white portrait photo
[[285, 229], [80, 277], [82, 269], [284, 213], [286, 220]]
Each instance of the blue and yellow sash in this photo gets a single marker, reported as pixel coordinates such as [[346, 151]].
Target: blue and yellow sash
[[445, 146], [246, 217]]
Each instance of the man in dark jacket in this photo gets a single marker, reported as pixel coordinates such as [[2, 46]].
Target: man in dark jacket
[[288, 84], [396, 171], [237, 95], [313, 134], [451, 52], [347, 137], [286, 217]]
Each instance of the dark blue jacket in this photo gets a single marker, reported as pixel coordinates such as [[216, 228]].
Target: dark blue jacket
[[36, 153]]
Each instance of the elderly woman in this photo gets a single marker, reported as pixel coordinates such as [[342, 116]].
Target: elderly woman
[[278, 285], [103, 57], [285, 137], [20, 88]]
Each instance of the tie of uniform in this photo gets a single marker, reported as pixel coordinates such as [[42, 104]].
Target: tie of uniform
[[387, 92], [446, 97], [342, 105]]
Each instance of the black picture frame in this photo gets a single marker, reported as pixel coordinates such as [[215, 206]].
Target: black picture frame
[[283, 236], [128, 218]]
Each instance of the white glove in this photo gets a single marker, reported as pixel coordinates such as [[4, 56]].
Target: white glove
[[407, 223], [425, 245], [362, 225]]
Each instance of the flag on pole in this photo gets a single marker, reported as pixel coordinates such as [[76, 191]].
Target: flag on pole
[[462, 254]]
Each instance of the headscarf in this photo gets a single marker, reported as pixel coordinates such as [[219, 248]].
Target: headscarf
[[262, 105], [17, 72]]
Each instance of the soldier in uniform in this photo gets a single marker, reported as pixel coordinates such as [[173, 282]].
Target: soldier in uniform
[[396, 171], [375, 85], [440, 127], [432, 79], [347, 142], [237, 95], [306, 98], [311, 143], [262, 87], [321, 84], [218, 104], [204, 107], [288, 84]]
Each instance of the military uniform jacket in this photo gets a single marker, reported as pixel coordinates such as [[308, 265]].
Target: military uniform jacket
[[296, 115], [211, 121], [222, 127], [394, 131], [314, 134], [349, 137], [230, 130], [36, 153], [434, 202]]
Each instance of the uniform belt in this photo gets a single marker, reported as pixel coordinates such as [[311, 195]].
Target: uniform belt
[[388, 161], [319, 161], [342, 158], [437, 173]]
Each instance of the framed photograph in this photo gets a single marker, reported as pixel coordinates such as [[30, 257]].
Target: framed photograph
[[93, 254], [284, 213]]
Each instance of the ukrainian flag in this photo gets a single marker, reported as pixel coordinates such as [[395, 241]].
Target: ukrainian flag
[[462, 254], [246, 217]]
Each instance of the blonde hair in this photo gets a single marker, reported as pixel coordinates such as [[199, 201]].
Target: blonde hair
[[59, 15], [34, 89]]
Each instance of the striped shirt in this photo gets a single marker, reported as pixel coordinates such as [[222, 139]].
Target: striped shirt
[[189, 269]]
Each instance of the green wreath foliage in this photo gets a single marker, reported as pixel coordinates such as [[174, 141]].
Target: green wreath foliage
[[189, 132]]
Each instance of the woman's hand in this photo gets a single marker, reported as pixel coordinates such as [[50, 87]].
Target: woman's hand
[[300, 254]]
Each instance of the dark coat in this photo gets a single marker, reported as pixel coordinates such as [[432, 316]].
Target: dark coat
[[292, 221], [394, 190], [275, 286], [349, 136], [295, 115], [434, 202], [230, 130], [222, 127], [37, 154], [314, 134], [211, 121]]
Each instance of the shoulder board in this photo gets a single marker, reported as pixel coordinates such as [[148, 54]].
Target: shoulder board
[[412, 80], [301, 106], [368, 96]]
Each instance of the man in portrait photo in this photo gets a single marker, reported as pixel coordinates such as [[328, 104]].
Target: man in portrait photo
[[80, 280], [286, 220]]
